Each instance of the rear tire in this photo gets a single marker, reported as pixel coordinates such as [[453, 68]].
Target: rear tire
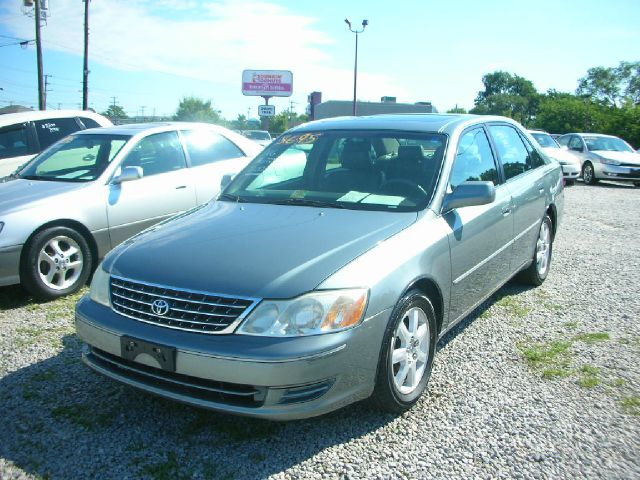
[[406, 357], [588, 174], [537, 272], [57, 262], [637, 184]]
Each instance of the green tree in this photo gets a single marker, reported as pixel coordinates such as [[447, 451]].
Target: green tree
[[613, 86], [115, 112], [508, 95], [192, 109], [457, 110], [240, 123]]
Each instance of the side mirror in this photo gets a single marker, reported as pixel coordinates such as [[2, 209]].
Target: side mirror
[[468, 194], [128, 174], [226, 180]]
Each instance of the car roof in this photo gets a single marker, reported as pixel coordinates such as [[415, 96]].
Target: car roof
[[11, 118], [419, 122], [591, 135], [136, 128]]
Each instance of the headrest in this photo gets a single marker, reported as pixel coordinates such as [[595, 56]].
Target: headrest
[[410, 154], [356, 155]]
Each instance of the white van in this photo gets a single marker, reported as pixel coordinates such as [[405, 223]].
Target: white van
[[23, 135]]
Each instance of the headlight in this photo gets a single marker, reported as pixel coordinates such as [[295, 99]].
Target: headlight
[[609, 161], [99, 291], [311, 314]]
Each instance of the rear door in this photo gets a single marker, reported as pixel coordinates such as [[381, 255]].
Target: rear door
[[16, 147], [524, 171], [50, 130], [480, 237], [211, 155], [165, 189]]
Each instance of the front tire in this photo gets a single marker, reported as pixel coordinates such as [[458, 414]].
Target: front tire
[[407, 354], [537, 272], [57, 262], [588, 174]]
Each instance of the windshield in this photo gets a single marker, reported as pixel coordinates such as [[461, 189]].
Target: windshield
[[76, 158], [612, 144], [258, 135], [545, 140], [344, 169]]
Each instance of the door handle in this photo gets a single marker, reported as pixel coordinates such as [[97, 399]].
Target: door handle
[[181, 186], [506, 211], [540, 188]]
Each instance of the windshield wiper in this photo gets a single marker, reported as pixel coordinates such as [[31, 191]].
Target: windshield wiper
[[232, 198], [306, 202], [31, 177]]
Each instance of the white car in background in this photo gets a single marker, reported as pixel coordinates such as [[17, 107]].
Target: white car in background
[[23, 135], [570, 163], [604, 157]]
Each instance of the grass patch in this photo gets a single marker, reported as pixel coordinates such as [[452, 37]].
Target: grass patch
[[167, 470], [589, 377], [83, 416], [257, 457], [235, 429], [631, 404], [593, 337], [514, 306], [553, 359], [44, 376], [571, 325], [52, 335]]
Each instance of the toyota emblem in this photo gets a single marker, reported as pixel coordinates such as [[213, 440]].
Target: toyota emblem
[[160, 307]]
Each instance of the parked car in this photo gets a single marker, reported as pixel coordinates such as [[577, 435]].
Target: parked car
[[570, 163], [259, 136], [23, 135], [92, 190], [604, 157], [297, 293]]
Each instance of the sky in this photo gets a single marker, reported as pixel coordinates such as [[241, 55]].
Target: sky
[[149, 54]]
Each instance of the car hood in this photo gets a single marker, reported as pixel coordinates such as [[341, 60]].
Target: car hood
[[563, 156], [624, 157], [253, 250], [18, 194]]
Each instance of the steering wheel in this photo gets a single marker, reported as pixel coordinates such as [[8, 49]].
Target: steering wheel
[[400, 186]]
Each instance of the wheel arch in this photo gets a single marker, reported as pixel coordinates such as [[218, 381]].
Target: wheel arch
[[73, 224], [431, 290], [553, 214]]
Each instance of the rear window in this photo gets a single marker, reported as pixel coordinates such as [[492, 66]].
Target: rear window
[[51, 130]]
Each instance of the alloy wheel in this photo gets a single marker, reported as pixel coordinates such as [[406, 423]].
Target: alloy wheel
[[543, 249], [60, 262], [410, 350]]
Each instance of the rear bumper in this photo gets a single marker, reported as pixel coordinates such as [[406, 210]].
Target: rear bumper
[[10, 265], [299, 378]]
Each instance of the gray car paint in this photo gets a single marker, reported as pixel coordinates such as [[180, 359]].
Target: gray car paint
[[465, 254]]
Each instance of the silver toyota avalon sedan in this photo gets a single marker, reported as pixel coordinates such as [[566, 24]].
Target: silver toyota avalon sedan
[[90, 191], [328, 269]]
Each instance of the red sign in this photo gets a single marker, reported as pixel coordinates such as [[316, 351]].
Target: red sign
[[272, 83]]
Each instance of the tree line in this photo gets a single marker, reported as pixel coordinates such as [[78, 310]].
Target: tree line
[[193, 109], [606, 100]]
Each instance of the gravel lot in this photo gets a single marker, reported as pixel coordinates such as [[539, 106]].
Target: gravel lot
[[538, 383]]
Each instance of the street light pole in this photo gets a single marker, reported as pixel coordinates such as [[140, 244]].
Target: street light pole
[[355, 65]]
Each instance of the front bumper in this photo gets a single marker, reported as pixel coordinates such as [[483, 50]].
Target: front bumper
[[620, 172], [10, 265], [277, 379], [570, 171]]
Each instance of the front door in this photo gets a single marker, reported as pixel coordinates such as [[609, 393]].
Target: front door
[[165, 188], [480, 237]]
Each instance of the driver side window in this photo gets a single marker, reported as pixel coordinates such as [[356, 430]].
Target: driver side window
[[474, 159]]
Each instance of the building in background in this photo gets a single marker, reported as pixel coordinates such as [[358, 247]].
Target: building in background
[[338, 108]]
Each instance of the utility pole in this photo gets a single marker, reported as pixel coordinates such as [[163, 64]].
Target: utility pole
[[46, 89], [41, 93], [114, 101], [85, 70]]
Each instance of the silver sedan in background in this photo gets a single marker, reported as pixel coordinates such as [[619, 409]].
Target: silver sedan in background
[[93, 189]]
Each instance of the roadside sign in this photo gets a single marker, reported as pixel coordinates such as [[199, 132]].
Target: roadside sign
[[267, 83], [266, 110]]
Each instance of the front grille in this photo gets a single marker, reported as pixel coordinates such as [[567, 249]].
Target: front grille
[[174, 308], [177, 383]]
